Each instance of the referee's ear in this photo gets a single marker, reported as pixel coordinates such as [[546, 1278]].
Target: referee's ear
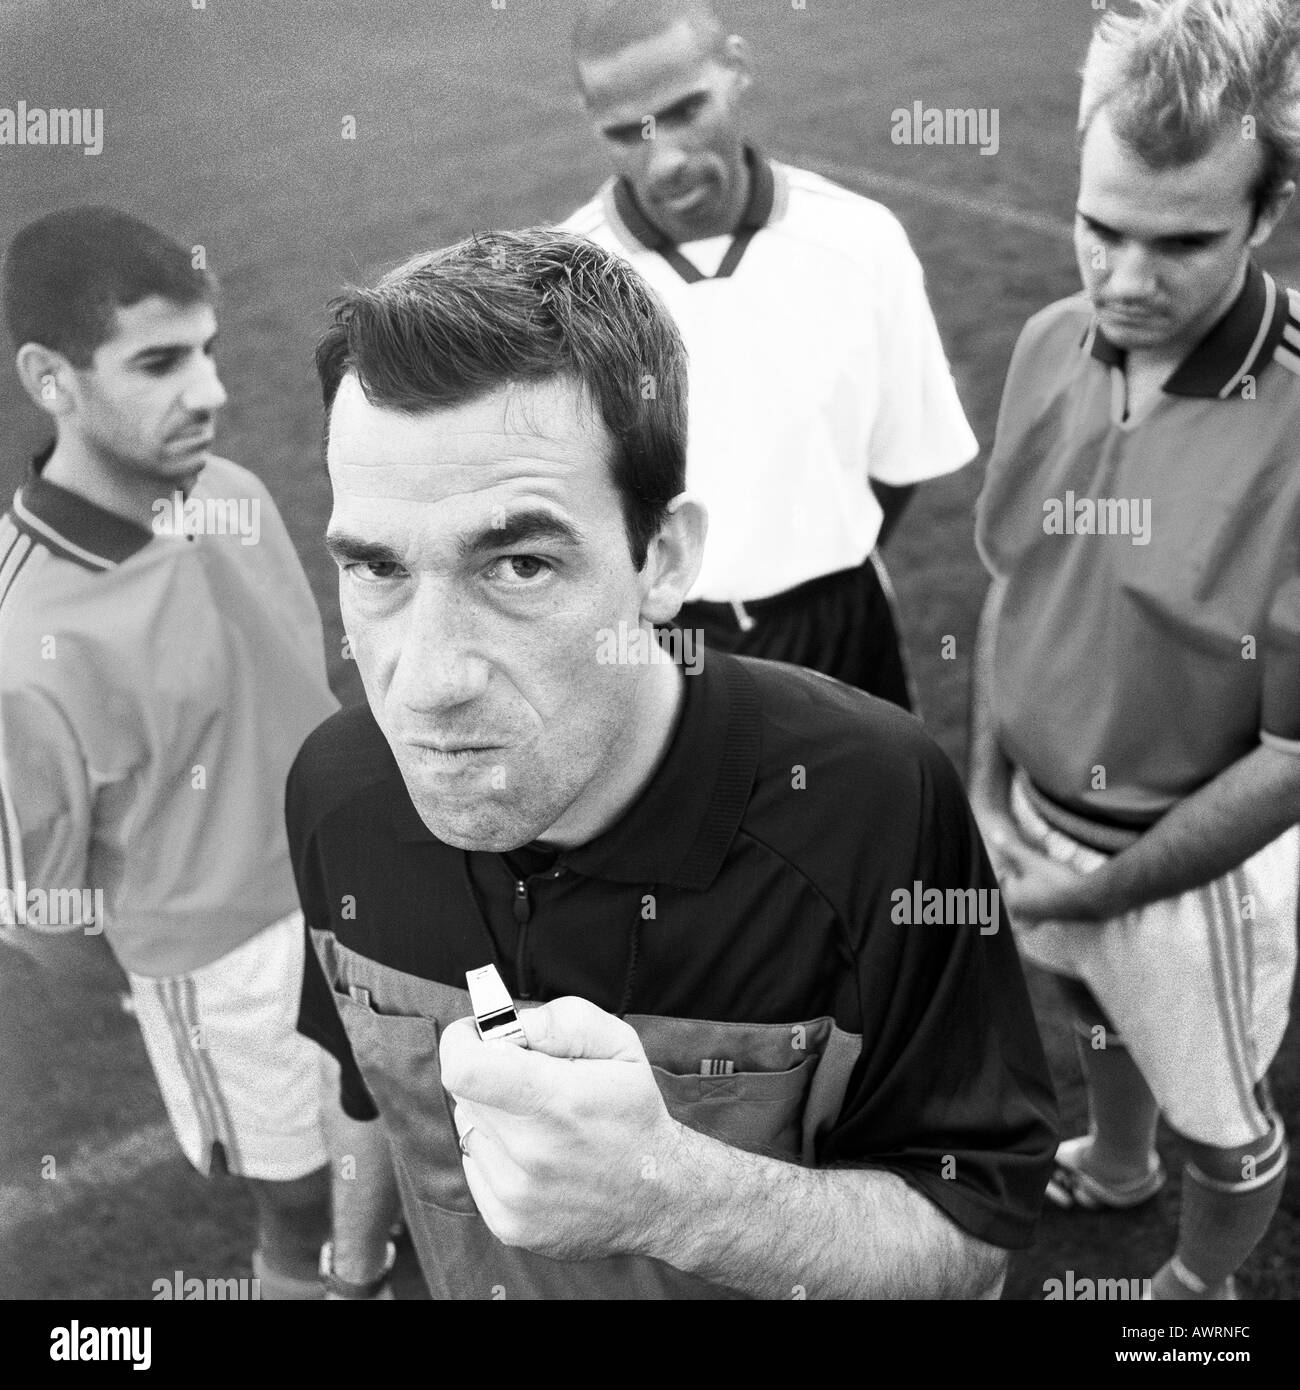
[[673, 559]]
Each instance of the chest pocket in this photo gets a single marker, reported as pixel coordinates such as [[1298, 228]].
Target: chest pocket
[[394, 1022], [769, 1088]]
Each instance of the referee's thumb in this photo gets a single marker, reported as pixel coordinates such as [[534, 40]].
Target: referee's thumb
[[576, 1028]]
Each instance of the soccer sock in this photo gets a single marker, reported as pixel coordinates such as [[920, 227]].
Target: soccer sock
[[278, 1287], [1122, 1112], [1229, 1199]]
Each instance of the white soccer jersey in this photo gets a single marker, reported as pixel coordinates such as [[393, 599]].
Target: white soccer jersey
[[154, 689], [815, 364]]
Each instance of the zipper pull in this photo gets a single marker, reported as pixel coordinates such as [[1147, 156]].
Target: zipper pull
[[523, 909]]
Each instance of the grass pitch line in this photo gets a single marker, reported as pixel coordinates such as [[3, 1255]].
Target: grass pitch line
[[854, 176], [92, 1171]]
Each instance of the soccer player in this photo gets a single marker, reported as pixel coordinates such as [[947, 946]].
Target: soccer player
[[782, 1081], [1136, 750], [160, 664], [820, 394]]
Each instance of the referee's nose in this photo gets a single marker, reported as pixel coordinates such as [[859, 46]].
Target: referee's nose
[[437, 666]]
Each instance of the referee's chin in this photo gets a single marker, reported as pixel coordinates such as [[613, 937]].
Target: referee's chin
[[484, 827]]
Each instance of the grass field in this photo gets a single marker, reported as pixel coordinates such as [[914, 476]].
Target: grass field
[[223, 125]]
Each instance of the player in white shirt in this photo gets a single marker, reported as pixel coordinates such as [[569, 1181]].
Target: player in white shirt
[[820, 393]]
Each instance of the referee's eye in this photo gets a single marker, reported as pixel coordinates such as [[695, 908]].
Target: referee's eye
[[520, 570], [372, 571]]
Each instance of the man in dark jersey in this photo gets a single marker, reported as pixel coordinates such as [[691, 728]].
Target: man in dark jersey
[[778, 1044]]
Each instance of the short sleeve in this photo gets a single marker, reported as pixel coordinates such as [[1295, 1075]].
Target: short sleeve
[[46, 801], [1004, 518], [318, 1019], [920, 430], [318, 1015], [952, 1092]]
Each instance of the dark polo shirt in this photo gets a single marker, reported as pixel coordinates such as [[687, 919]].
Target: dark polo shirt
[[750, 915]]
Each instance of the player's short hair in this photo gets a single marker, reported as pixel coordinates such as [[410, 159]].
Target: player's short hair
[[450, 326], [67, 274], [606, 27], [1178, 73]]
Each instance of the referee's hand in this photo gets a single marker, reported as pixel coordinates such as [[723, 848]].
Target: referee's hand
[[562, 1140]]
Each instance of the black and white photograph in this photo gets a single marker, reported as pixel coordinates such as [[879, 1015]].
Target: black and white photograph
[[650, 650]]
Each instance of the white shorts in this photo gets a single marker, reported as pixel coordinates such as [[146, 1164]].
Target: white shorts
[[232, 1066], [1198, 986]]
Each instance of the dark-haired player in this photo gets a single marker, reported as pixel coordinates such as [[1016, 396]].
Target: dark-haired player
[[160, 663]]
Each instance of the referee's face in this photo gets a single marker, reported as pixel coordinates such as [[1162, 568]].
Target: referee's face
[[665, 110], [482, 555], [1163, 252]]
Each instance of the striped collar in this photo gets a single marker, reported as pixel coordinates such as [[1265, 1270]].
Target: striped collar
[[1241, 344], [767, 199], [71, 526]]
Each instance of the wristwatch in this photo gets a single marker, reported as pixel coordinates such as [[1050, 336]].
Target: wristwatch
[[342, 1288], [494, 1011]]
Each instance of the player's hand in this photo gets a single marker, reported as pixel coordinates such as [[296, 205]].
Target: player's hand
[[1000, 834], [568, 1136], [1038, 889]]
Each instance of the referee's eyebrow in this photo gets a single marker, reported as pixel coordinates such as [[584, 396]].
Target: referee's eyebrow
[[521, 529], [357, 551]]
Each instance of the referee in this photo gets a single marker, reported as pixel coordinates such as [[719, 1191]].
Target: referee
[[820, 394], [780, 1078]]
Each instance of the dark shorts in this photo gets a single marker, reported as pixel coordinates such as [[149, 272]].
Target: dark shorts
[[841, 624]]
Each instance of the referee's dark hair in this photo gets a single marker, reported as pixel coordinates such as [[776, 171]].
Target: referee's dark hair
[[450, 326], [68, 273]]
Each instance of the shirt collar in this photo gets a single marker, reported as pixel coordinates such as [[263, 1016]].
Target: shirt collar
[[71, 525], [635, 227], [1240, 344], [679, 829]]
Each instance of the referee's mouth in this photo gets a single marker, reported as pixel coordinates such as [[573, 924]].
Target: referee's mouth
[[453, 757]]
